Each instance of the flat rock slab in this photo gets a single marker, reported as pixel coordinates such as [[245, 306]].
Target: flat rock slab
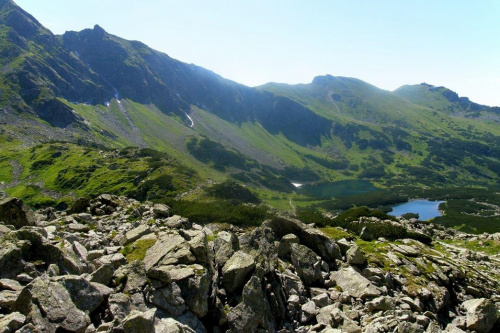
[[354, 283], [406, 250]]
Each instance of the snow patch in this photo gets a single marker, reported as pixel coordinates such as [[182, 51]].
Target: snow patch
[[297, 185], [190, 119]]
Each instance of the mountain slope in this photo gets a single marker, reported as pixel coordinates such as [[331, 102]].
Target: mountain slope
[[36, 68], [447, 101], [95, 88]]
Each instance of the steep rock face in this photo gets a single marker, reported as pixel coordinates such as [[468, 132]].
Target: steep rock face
[[40, 68], [56, 277], [147, 76]]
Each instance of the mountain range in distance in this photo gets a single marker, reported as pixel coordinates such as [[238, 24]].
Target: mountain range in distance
[[98, 90]]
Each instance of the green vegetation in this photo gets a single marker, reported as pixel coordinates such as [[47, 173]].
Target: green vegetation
[[230, 190], [337, 233], [490, 247], [420, 141], [71, 170], [355, 219], [137, 250], [220, 212]]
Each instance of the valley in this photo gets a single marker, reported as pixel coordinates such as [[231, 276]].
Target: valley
[[139, 193]]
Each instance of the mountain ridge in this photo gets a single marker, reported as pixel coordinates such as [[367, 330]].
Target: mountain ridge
[[95, 88]]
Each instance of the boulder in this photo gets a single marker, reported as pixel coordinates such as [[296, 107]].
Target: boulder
[[354, 283], [119, 306], [8, 298], [481, 314], [140, 322], [305, 262], [161, 210], [194, 289], [115, 260], [10, 285], [199, 247], [310, 237], [132, 277], [236, 270], [14, 212], [135, 234], [382, 303], [286, 242], [48, 304], [79, 206], [177, 222], [249, 314], [12, 322], [355, 256], [260, 244], [11, 261], [103, 274], [225, 245], [80, 250], [86, 296], [309, 311], [170, 249], [169, 299], [170, 325]]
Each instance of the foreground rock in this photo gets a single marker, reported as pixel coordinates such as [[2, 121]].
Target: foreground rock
[[15, 212], [117, 265]]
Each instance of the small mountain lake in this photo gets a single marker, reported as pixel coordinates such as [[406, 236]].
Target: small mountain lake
[[424, 208], [337, 189]]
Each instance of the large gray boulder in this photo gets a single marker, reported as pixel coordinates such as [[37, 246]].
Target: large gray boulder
[[249, 314], [161, 210], [199, 247], [354, 283], [306, 264], [119, 306], [49, 306], [132, 277], [11, 322], [236, 270], [481, 314], [382, 303], [285, 246], [193, 281], [14, 212], [225, 245], [313, 238], [86, 296], [355, 256], [260, 244], [135, 234], [170, 249], [11, 261], [140, 322], [170, 325], [169, 299]]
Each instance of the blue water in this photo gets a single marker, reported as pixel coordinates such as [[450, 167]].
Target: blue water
[[425, 208]]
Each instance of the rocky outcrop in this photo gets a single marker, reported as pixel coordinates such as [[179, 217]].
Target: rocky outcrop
[[481, 314], [118, 265], [14, 212]]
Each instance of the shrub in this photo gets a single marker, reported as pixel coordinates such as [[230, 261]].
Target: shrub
[[231, 190], [219, 211]]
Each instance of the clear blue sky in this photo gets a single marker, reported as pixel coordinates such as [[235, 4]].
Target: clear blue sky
[[388, 43]]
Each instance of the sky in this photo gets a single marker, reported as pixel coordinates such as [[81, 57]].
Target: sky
[[388, 43]]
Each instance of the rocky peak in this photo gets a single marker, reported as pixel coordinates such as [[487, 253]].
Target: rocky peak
[[19, 20]]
